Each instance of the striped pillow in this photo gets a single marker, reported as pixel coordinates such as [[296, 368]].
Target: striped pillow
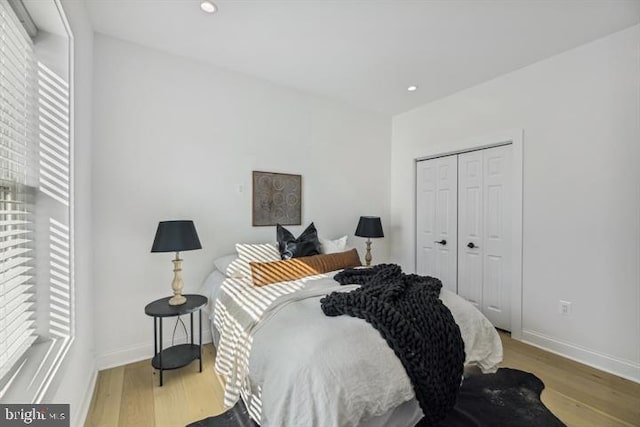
[[261, 252]]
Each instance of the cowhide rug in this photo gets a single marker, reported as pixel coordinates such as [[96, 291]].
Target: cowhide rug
[[508, 398]]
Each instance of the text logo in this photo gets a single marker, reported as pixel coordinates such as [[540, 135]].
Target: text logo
[[55, 415]]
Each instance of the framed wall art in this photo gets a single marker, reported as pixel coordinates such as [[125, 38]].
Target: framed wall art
[[277, 199]]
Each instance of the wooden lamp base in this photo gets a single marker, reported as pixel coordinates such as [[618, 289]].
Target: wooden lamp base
[[367, 256], [177, 284]]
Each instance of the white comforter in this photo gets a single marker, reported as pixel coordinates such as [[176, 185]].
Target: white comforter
[[295, 366]]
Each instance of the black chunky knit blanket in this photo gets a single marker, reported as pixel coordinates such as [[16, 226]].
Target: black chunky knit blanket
[[408, 313]]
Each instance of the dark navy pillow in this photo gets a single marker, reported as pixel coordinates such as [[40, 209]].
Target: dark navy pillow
[[306, 244]]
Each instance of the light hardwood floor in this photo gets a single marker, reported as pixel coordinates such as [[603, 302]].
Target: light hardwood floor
[[129, 395]]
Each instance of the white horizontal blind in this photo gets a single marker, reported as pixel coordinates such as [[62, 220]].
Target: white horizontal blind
[[18, 123]]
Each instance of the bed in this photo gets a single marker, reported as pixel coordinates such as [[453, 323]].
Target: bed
[[294, 366]]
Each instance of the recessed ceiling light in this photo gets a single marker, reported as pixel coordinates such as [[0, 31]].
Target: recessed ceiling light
[[412, 88], [208, 7]]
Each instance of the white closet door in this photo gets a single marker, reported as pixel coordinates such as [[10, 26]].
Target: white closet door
[[470, 226], [436, 220], [496, 245]]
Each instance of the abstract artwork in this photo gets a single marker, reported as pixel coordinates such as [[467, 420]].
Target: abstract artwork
[[277, 199]]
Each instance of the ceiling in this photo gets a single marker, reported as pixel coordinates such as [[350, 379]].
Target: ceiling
[[367, 52]]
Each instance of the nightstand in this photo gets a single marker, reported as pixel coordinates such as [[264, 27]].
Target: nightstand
[[180, 355]]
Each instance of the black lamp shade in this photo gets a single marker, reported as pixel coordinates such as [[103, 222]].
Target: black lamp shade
[[176, 236], [369, 226]]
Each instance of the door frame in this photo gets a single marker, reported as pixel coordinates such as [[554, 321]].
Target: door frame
[[515, 138]]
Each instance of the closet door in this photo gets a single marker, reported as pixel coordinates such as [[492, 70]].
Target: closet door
[[436, 220], [470, 226], [496, 245]]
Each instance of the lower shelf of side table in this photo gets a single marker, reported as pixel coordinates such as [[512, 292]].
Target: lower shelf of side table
[[176, 357]]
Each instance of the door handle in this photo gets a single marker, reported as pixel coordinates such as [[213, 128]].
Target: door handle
[[441, 242], [471, 245]]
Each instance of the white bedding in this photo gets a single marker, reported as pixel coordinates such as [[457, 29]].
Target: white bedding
[[294, 366]]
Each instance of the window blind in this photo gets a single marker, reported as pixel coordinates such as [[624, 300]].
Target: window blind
[[18, 127]]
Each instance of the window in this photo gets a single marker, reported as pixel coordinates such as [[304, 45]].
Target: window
[[36, 290], [17, 323], [17, 145]]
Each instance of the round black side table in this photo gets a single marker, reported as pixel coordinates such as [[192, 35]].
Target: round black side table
[[180, 355]]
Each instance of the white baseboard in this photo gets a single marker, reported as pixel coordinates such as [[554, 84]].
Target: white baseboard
[[136, 353], [86, 402], [623, 368]]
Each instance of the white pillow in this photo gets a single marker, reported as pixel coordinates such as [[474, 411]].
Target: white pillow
[[332, 246], [261, 252], [222, 263]]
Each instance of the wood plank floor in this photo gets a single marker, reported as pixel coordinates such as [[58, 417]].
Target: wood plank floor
[[129, 396], [579, 395]]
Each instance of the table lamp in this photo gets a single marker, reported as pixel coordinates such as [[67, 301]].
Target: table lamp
[[369, 227], [176, 236]]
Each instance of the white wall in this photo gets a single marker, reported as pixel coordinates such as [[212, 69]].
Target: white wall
[[78, 377], [52, 50], [174, 138], [580, 112]]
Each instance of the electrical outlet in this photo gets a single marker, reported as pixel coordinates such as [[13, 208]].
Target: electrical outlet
[[565, 307]]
